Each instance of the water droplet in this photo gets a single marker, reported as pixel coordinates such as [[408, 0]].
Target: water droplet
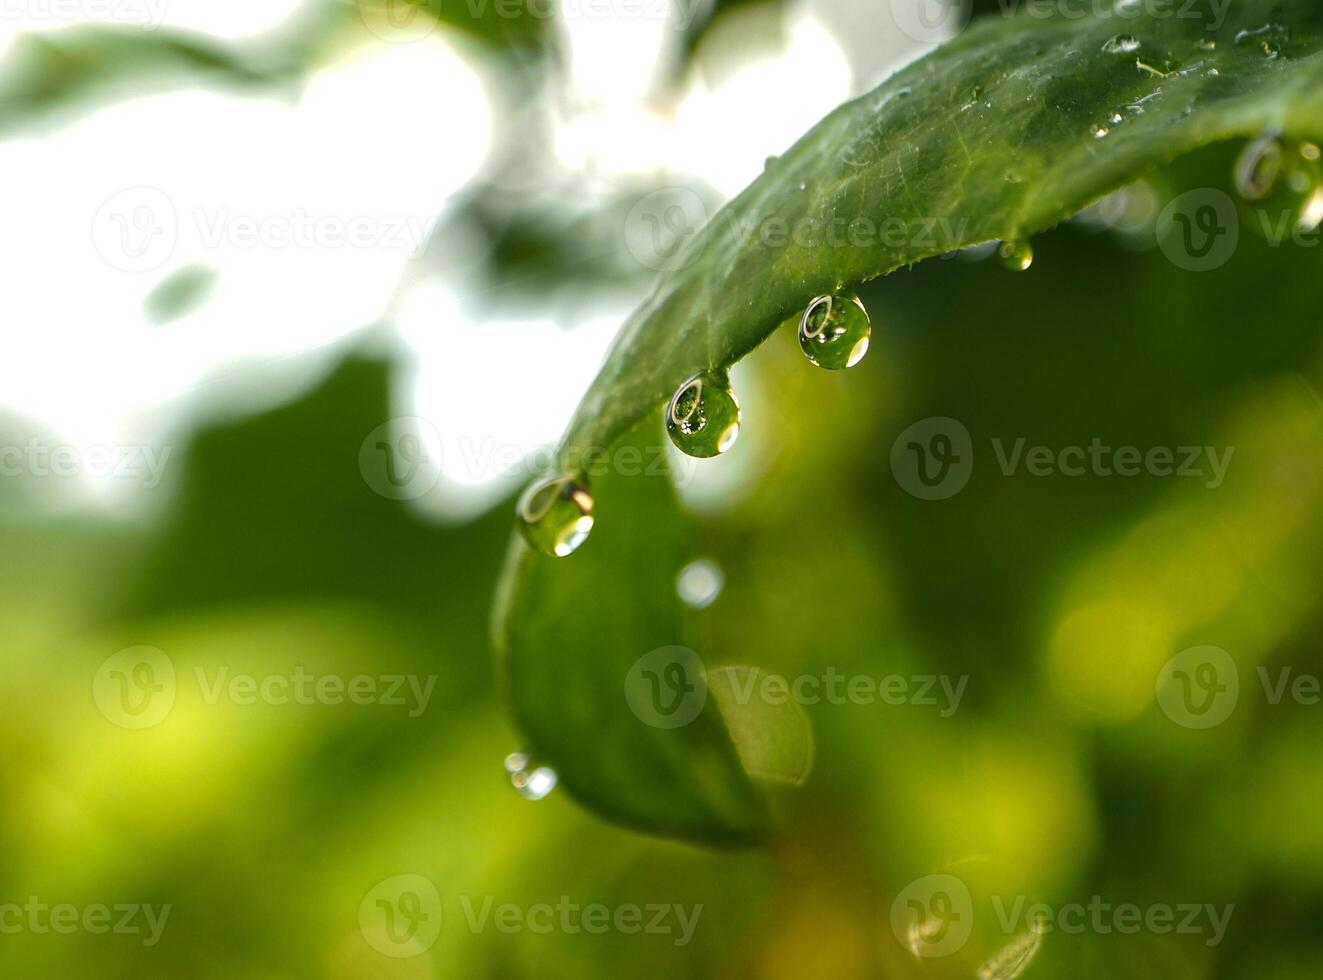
[[1310, 151], [699, 583], [1206, 44], [1213, 73], [1257, 167], [770, 162], [1016, 255], [1121, 44], [1270, 38], [531, 784], [834, 331], [516, 762], [703, 418], [1012, 960], [1311, 212], [555, 514], [1098, 130], [1115, 118]]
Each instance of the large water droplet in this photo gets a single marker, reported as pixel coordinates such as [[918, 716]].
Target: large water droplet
[[1121, 44], [834, 331], [531, 784], [1016, 255], [703, 418], [699, 583], [556, 514], [1257, 167]]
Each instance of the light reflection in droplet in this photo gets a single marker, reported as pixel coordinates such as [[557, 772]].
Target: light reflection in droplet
[[700, 583]]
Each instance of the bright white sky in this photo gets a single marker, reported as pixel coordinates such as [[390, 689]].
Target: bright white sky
[[100, 212]]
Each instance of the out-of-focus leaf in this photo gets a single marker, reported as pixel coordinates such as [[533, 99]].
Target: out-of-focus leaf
[[573, 635]]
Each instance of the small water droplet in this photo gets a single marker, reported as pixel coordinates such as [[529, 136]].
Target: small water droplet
[[534, 784], [1206, 44], [770, 162], [1213, 73], [699, 583], [834, 331], [516, 762], [1310, 151], [1016, 255], [1271, 39], [1098, 130], [1115, 118], [1257, 167], [1121, 44], [556, 514], [703, 417]]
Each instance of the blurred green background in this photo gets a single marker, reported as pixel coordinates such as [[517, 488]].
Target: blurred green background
[[270, 829]]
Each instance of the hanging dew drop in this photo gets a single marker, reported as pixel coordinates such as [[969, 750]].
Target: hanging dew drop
[[1016, 255], [556, 515], [1257, 167], [703, 417], [834, 331], [1121, 44]]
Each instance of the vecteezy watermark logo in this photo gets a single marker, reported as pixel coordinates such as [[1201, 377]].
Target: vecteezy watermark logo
[[940, 691], [662, 229], [136, 229], [401, 458], [135, 688], [933, 915], [930, 21], [147, 14], [572, 918], [401, 916], [667, 687], [1198, 231], [933, 458], [1199, 687], [145, 464], [124, 919]]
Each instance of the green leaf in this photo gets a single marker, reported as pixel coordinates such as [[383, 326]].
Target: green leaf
[[579, 637], [993, 136]]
